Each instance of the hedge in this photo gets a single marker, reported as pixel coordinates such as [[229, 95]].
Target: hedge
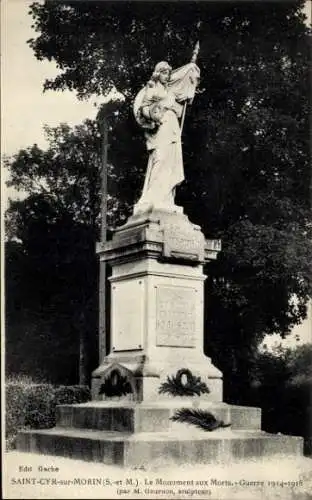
[[32, 406], [283, 390]]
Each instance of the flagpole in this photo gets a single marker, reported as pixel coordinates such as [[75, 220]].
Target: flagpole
[[103, 270], [193, 60]]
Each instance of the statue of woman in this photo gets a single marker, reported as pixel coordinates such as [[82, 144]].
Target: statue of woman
[[158, 108]]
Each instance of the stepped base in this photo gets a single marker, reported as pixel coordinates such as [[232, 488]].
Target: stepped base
[[132, 417], [158, 448], [133, 435]]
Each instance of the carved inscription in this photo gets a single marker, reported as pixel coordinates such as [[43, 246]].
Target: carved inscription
[[175, 316], [182, 243]]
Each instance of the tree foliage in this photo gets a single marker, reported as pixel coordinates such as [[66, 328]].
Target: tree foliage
[[51, 267], [282, 384], [245, 143]]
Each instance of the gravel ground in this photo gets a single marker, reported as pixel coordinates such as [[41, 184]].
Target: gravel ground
[[280, 477]]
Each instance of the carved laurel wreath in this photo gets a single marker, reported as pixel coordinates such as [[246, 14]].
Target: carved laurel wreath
[[176, 387], [115, 385]]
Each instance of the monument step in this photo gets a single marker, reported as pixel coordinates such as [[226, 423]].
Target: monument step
[[158, 448], [133, 418]]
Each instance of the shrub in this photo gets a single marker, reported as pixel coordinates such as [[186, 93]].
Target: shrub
[[40, 410], [32, 405], [283, 390], [15, 415], [70, 394]]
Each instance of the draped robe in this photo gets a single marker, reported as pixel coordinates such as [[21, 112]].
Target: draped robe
[[157, 108]]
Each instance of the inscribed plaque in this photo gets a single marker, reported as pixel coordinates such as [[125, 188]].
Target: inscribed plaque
[[175, 316], [128, 315], [179, 243]]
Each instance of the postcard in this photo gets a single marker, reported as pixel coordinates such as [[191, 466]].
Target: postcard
[[156, 246]]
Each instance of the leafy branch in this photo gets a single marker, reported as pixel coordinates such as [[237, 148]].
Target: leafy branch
[[200, 418]]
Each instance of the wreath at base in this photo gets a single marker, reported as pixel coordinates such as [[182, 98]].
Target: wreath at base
[[176, 387], [115, 385]]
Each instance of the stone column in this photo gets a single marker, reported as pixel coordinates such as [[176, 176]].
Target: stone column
[[157, 305]]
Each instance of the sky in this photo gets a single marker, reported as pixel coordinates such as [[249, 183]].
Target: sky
[[25, 108]]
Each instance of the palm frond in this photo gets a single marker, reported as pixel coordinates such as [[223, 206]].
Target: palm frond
[[200, 418]]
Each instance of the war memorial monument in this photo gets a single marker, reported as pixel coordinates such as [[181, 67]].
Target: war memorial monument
[[156, 379]]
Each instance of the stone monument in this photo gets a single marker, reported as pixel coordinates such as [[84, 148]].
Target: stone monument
[[157, 368], [157, 257]]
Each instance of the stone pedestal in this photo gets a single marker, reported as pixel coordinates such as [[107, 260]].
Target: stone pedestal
[[157, 287], [136, 435], [157, 342]]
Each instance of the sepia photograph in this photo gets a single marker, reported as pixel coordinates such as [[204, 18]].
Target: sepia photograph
[[156, 215]]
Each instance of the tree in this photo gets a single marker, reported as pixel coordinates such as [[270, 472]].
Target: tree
[[282, 383], [51, 266], [246, 145]]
